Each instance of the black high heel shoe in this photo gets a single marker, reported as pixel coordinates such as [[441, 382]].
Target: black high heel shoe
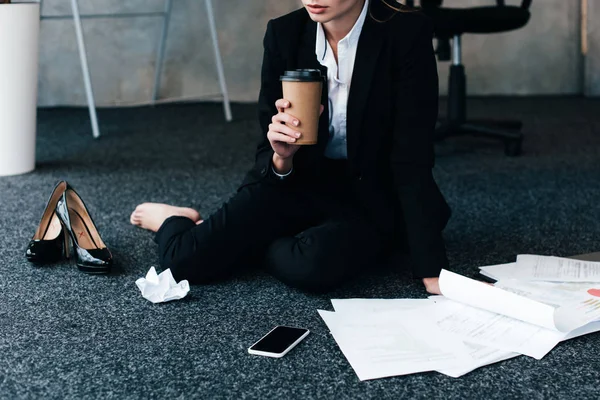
[[48, 244], [92, 255]]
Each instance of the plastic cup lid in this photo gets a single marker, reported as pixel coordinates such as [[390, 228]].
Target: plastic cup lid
[[302, 75]]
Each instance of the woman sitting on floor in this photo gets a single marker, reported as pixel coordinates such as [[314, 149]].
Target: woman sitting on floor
[[317, 215]]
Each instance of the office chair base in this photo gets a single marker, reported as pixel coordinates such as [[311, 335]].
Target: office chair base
[[506, 131]]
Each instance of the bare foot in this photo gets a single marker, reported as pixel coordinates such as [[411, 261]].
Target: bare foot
[[152, 215]]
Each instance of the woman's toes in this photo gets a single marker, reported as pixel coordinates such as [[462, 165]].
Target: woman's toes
[[135, 217]]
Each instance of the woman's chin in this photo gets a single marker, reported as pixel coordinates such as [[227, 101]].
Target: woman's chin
[[319, 18]]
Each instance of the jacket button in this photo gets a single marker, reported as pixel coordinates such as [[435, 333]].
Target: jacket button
[[359, 177], [263, 171]]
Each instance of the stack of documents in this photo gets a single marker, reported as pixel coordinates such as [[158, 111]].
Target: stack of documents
[[545, 268], [474, 323]]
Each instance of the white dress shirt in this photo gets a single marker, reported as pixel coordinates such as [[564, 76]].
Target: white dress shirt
[[339, 76]]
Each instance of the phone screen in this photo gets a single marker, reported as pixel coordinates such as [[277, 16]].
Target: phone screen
[[278, 339]]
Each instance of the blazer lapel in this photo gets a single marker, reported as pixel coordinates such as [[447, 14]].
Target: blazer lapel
[[369, 46]]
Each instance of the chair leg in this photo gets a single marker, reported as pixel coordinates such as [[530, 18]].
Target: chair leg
[[161, 50], [457, 94], [218, 59], [513, 125], [512, 140], [456, 123], [84, 67]]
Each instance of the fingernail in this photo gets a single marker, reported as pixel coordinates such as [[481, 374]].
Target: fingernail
[[297, 134], [296, 122], [286, 104]]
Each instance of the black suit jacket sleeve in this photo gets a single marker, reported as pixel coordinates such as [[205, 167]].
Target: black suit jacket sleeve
[[423, 208], [273, 67]]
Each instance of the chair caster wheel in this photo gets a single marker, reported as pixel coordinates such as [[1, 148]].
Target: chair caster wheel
[[513, 147]]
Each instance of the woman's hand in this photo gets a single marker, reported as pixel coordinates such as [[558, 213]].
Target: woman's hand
[[282, 134], [432, 285]]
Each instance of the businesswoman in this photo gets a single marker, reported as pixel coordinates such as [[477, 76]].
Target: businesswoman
[[317, 215]]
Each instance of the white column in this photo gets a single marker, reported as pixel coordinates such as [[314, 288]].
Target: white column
[[19, 40]]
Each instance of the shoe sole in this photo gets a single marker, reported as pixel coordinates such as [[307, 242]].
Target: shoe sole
[[94, 270]]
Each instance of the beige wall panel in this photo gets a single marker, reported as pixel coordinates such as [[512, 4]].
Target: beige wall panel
[[542, 58]]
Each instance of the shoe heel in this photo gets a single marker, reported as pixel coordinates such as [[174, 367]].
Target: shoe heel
[[90, 253], [67, 244]]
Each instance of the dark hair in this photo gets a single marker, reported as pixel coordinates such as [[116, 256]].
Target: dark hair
[[384, 10]]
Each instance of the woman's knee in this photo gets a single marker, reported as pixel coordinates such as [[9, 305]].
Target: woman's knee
[[298, 263]]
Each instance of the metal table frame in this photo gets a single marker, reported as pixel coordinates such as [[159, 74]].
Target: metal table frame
[[166, 17]]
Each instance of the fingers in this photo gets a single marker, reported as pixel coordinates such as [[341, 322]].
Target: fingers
[[284, 129], [281, 104], [282, 117], [280, 137], [285, 119]]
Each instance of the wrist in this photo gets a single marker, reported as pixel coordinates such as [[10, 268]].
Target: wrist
[[282, 165]]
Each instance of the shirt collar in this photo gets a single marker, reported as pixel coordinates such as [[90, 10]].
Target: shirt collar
[[352, 36]]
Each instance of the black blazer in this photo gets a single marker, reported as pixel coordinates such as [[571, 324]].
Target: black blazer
[[391, 116]]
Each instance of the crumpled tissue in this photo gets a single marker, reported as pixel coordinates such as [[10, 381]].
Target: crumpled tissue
[[162, 288]]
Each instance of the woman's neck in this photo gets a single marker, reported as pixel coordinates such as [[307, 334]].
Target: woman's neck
[[338, 28]]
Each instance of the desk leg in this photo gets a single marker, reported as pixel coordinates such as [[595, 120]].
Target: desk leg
[[161, 50], [219, 61], [84, 68]]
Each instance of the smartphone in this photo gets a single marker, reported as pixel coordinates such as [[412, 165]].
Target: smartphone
[[278, 341]]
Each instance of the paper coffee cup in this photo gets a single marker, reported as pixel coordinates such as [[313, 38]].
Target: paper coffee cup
[[303, 89]]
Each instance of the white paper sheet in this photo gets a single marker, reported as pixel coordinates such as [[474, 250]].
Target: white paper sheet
[[547, 268], [162, 288], [472, 325], [370, 306], [579, 313], [490, 329], [498, 272], [552, 293], [383, 346], [490, 298], [584, 330], [481, 295], [481, 356]]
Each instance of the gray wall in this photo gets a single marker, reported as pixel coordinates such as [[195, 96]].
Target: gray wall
[[122, 52], [542, 58], [592, 62]]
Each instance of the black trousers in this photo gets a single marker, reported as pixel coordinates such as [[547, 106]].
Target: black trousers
[[311, 236]]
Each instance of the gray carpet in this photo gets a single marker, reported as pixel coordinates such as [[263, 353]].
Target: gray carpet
[[64, 334]]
